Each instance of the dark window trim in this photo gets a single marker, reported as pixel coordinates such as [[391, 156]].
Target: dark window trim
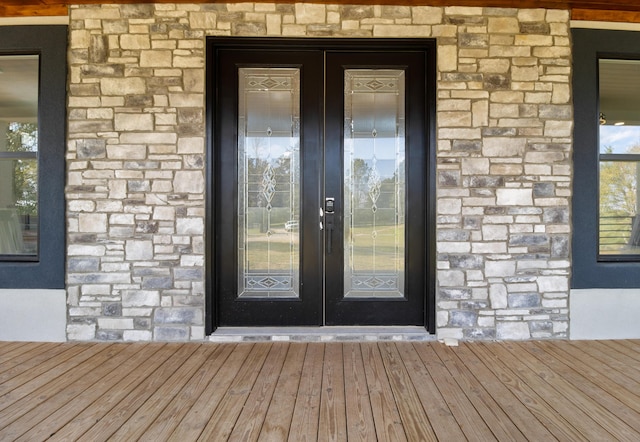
[[47, 271], [588, 270]]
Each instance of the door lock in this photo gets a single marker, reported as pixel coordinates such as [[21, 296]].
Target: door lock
[[329, 205]]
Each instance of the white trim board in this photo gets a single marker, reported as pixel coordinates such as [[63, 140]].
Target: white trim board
[[605, 25], [605, 314], [33, 315], [44, 20]]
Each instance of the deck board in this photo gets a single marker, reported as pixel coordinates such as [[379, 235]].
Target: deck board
[[360, 424], [599, 420], [332, 423], [357, 391], [470, 421], [43, 376], [167, 421], [586, 395], [109, 423], [60, 392], [138, 423], [257, 404], [306, 411], [386, 415], [522, 417], [280, 413], [107, 375], [201, 411], [223, 420], [435, 406], [529, 394], [496, 418]]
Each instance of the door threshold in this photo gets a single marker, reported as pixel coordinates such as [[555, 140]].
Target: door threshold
[[321, 334]]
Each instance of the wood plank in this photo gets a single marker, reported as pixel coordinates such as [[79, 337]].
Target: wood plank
[[467, 417], [210, 398], [91, 387], [625, 16], [10, 350], [563, 405], [29, 381], [118, 415], [278, 420], [437, 411], [304, 424], [603, 362], [582, 9], [622, 352], [138, 423], [557, 4], [15, 353], [500, 424], [597, 412], [575, 390], [253, 415], [616, 360], [40, 403], [166, 423], [520, 415], [104, 403], [624, 418], [34, 11], [225, 417], [37, 362], [622, 387], [360, 424], [414, 420], [386, 416], [332, 424], [528, 395]]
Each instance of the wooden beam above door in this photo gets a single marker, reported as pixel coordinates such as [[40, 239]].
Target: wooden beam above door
[[603, 10]]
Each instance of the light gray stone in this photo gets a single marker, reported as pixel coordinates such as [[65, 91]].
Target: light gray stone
[[512, 330], [138, 250]]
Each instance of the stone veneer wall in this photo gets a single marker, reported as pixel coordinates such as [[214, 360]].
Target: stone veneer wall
[[136, 155]]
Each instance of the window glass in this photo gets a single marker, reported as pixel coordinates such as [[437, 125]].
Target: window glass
[[18, 155], [619, 158]]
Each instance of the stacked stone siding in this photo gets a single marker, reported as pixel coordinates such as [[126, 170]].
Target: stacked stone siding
[[136, 153]]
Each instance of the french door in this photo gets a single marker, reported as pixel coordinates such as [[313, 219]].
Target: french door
[[320, 184]]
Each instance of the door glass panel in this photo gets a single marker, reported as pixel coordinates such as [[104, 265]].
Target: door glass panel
[[268, 182], [374, 183], [19, 76]]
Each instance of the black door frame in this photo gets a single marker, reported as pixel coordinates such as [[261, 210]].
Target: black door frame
[[216, 43]]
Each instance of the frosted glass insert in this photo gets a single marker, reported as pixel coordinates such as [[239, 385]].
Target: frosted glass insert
[[374, 183], [268, 182]]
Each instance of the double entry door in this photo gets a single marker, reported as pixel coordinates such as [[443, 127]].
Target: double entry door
[[320, 184]]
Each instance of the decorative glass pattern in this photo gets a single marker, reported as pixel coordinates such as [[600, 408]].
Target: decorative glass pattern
[[268, 182], [374, 183]]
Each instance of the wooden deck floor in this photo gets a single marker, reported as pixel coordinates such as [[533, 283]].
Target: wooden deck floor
[[423, 391]]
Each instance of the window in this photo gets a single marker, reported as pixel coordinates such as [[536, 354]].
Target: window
[[619, 159], [606, 204], [18, 157], [32, 141]]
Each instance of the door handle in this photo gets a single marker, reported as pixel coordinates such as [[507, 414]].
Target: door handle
[[329, 209]]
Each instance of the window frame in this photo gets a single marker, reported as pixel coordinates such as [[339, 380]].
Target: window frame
[[47, 269], [590, 268]]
